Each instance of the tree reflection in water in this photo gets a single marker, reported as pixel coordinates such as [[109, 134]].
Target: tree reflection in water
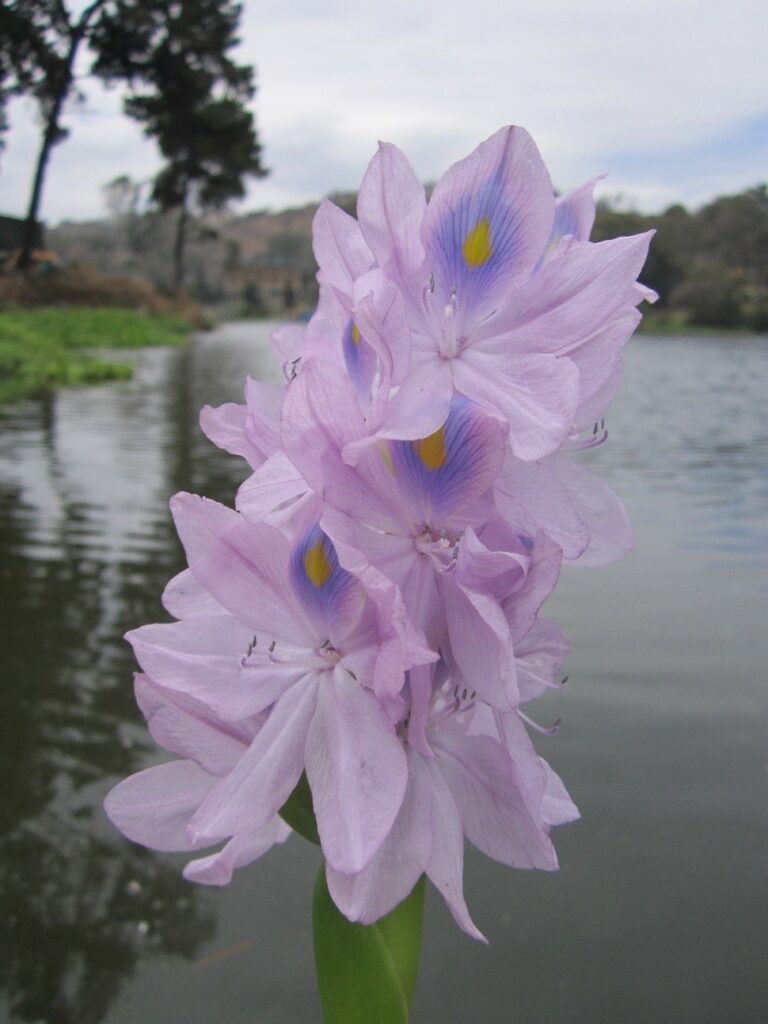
[[80, 905], [80, 912]]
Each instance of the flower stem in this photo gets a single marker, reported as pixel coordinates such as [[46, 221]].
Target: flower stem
[[366, 972]]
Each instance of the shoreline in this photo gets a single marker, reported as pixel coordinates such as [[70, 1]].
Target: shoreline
[[47, 347]]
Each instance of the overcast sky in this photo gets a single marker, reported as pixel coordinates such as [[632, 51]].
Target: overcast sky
[[668, 97]]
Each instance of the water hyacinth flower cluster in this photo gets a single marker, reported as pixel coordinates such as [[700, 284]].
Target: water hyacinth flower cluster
[[368, 615]]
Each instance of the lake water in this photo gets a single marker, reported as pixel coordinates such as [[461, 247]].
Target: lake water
[[659, 914]]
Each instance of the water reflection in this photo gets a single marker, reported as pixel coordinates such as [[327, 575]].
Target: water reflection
[[85, 547], [657, 913]]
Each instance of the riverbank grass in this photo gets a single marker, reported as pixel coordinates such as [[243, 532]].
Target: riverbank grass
[[44, 348]]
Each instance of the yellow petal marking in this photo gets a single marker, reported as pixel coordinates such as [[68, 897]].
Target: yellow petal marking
[[477, 248], [431, 450], [386, 457], [316, 565], [553, 244], [355, 335]]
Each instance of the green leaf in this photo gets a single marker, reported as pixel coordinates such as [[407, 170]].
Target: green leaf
[[401, 931], [297, 811]]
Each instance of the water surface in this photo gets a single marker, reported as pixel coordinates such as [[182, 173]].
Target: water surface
[[659, 911]]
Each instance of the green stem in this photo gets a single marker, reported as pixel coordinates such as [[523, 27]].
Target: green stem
[[401, 931], [366, 972]]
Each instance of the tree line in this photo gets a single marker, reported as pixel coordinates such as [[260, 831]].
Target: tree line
[[183, 86], [709, 265]]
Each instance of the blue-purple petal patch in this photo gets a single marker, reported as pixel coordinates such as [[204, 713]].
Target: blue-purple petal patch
[[477, 242], [359, 358], [565, 223], [323, 587], [441, 474]]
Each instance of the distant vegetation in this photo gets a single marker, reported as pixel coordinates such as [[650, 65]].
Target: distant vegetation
[[43, 348], [80, 286], [710, 267]]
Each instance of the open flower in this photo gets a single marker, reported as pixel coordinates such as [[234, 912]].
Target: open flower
[[491, 317], [421, 513], [481, 778], [326, 658]]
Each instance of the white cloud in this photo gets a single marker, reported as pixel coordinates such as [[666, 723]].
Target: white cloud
[[589, 81], [102, 145]]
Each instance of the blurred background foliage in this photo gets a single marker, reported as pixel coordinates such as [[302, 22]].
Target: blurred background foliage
[[709, 266]]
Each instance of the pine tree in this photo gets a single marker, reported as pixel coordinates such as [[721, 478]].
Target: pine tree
[[190, 96], [186, 90]]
